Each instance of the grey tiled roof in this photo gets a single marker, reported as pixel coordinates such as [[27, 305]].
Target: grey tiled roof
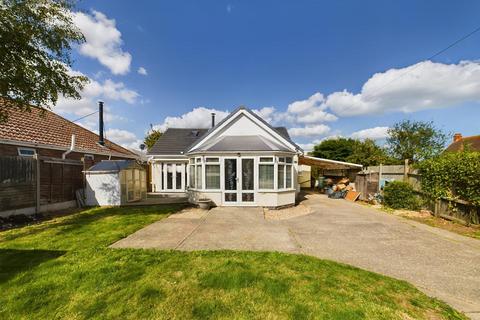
[[176, 141]]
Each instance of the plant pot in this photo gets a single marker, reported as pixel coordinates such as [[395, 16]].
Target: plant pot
[[204, 204]]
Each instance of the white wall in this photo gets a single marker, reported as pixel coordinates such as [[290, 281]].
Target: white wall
[[103, 189]]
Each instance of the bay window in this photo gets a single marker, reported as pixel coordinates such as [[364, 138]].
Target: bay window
[[198, 173], [284, 172]]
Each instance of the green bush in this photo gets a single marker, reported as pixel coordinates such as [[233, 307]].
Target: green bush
[[400, 195], [453, 175]]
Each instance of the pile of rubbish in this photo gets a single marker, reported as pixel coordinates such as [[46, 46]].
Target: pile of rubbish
[[340, 190]]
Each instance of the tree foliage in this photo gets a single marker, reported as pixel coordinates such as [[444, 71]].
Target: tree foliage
[[400, 195], [152, 137], [415, 140], [454, 175], [35, 43], [367, 152]]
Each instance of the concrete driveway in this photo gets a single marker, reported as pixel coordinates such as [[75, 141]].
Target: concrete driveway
[[440, 263]]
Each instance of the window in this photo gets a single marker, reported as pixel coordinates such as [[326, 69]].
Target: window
[[266, 173], [89, 157], [26, 152], [284, 173], [178, 177], [198, 173], [212, 173], [192, 176], [169, 176]]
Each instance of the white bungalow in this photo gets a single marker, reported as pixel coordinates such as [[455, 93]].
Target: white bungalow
[[241, 161]]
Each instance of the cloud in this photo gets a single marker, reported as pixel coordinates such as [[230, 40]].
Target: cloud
[[309, 131], [422, 86], [103, 41], [142, 71], [124, 138], [107, 90], [266, 113], [376, 133], [316, 116], [308, 111], [303, 106], [229, 8], [197, 118]]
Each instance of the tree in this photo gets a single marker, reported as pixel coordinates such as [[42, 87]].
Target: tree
[[35, 43], [334, 149], [152, 137], [415, 140], [368, 153]]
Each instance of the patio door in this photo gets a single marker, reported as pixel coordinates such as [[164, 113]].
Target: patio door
[[239, 181]]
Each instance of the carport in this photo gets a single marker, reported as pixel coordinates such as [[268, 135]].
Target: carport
[[327, 167]]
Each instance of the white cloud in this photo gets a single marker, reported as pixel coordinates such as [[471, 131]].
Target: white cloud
[[200, 117], [303, 106], [266, 113], [108, 90], [425, 85], [124, 138], [309, 131], [142, 71], [376, 133], [103, 41], [316, 116]]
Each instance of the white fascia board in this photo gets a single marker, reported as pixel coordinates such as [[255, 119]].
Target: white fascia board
[[335, 161], [252, 118]]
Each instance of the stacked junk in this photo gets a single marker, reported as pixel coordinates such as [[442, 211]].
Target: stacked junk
[[340, 189]]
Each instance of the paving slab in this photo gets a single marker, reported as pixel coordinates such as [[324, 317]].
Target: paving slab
[[438, 262]]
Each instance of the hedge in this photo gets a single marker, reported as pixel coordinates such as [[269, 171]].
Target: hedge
[[400, 195], [452, 175]]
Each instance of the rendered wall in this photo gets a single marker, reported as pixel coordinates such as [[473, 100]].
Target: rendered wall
[[103, 189]]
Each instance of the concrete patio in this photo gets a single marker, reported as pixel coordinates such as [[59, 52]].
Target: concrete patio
[[440, 263]]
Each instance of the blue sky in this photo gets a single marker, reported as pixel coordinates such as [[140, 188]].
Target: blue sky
[[301, 64]]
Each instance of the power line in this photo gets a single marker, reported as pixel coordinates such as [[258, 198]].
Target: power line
[[468, 35], [84, 116]]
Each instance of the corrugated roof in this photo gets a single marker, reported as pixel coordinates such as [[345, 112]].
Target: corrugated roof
[[466, 143], [53, 130]]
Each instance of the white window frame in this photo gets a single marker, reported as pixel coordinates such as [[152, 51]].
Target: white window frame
[[270, 163], [89, 156], [20, 149], [282, 161], [212, 163]]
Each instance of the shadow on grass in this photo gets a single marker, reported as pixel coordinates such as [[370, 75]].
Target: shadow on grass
[[14, 261], [90, 216]]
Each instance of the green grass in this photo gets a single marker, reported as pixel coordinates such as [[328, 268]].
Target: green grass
[[63, 269]]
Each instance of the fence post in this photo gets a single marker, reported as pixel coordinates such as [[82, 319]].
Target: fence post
[[380, 171], [405, 171], [37, 181]]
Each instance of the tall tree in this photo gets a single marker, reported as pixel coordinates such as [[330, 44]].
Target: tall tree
[[415, 140], [35, 43], [152, 136], [368, 153], [334, 149]]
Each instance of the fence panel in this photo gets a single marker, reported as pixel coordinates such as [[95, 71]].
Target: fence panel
[[17, 182]]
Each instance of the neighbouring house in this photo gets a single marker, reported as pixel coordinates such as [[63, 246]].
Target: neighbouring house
[[42, 159], [461, 143], [115, 183], [241, 161]]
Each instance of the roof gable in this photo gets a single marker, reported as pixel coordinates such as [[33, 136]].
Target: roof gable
[[244, 122], [49, 129]]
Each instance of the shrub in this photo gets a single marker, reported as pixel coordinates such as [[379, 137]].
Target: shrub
[[454, 175], [400, 195]]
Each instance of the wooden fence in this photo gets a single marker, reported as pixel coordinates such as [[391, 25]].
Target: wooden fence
[[33, 182], [369, 181]]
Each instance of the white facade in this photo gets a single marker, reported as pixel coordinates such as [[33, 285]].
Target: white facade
[[266, 176]]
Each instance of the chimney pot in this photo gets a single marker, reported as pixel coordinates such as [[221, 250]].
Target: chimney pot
[[213, 119], [457, 136]]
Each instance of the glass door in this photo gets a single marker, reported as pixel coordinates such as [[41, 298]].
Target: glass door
[[230, 180], [248, 178]]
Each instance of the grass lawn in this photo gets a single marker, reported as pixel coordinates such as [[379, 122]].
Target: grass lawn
[[63, 269]]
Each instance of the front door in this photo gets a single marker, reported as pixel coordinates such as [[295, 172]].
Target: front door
[[239, 181]]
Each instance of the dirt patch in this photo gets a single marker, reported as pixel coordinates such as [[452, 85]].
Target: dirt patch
[[21, 220], [287, 213]]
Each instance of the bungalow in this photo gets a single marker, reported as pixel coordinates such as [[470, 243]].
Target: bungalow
[[241, 161]]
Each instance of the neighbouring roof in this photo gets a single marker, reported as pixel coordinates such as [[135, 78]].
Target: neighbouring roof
[[176, 141], [466, 143], [50, 129], [244, 143], [112, 165]]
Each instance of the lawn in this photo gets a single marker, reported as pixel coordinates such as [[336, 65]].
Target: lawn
[[63, 269]]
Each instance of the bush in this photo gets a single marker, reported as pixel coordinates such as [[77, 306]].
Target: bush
[[400, 195], [453, 175]]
